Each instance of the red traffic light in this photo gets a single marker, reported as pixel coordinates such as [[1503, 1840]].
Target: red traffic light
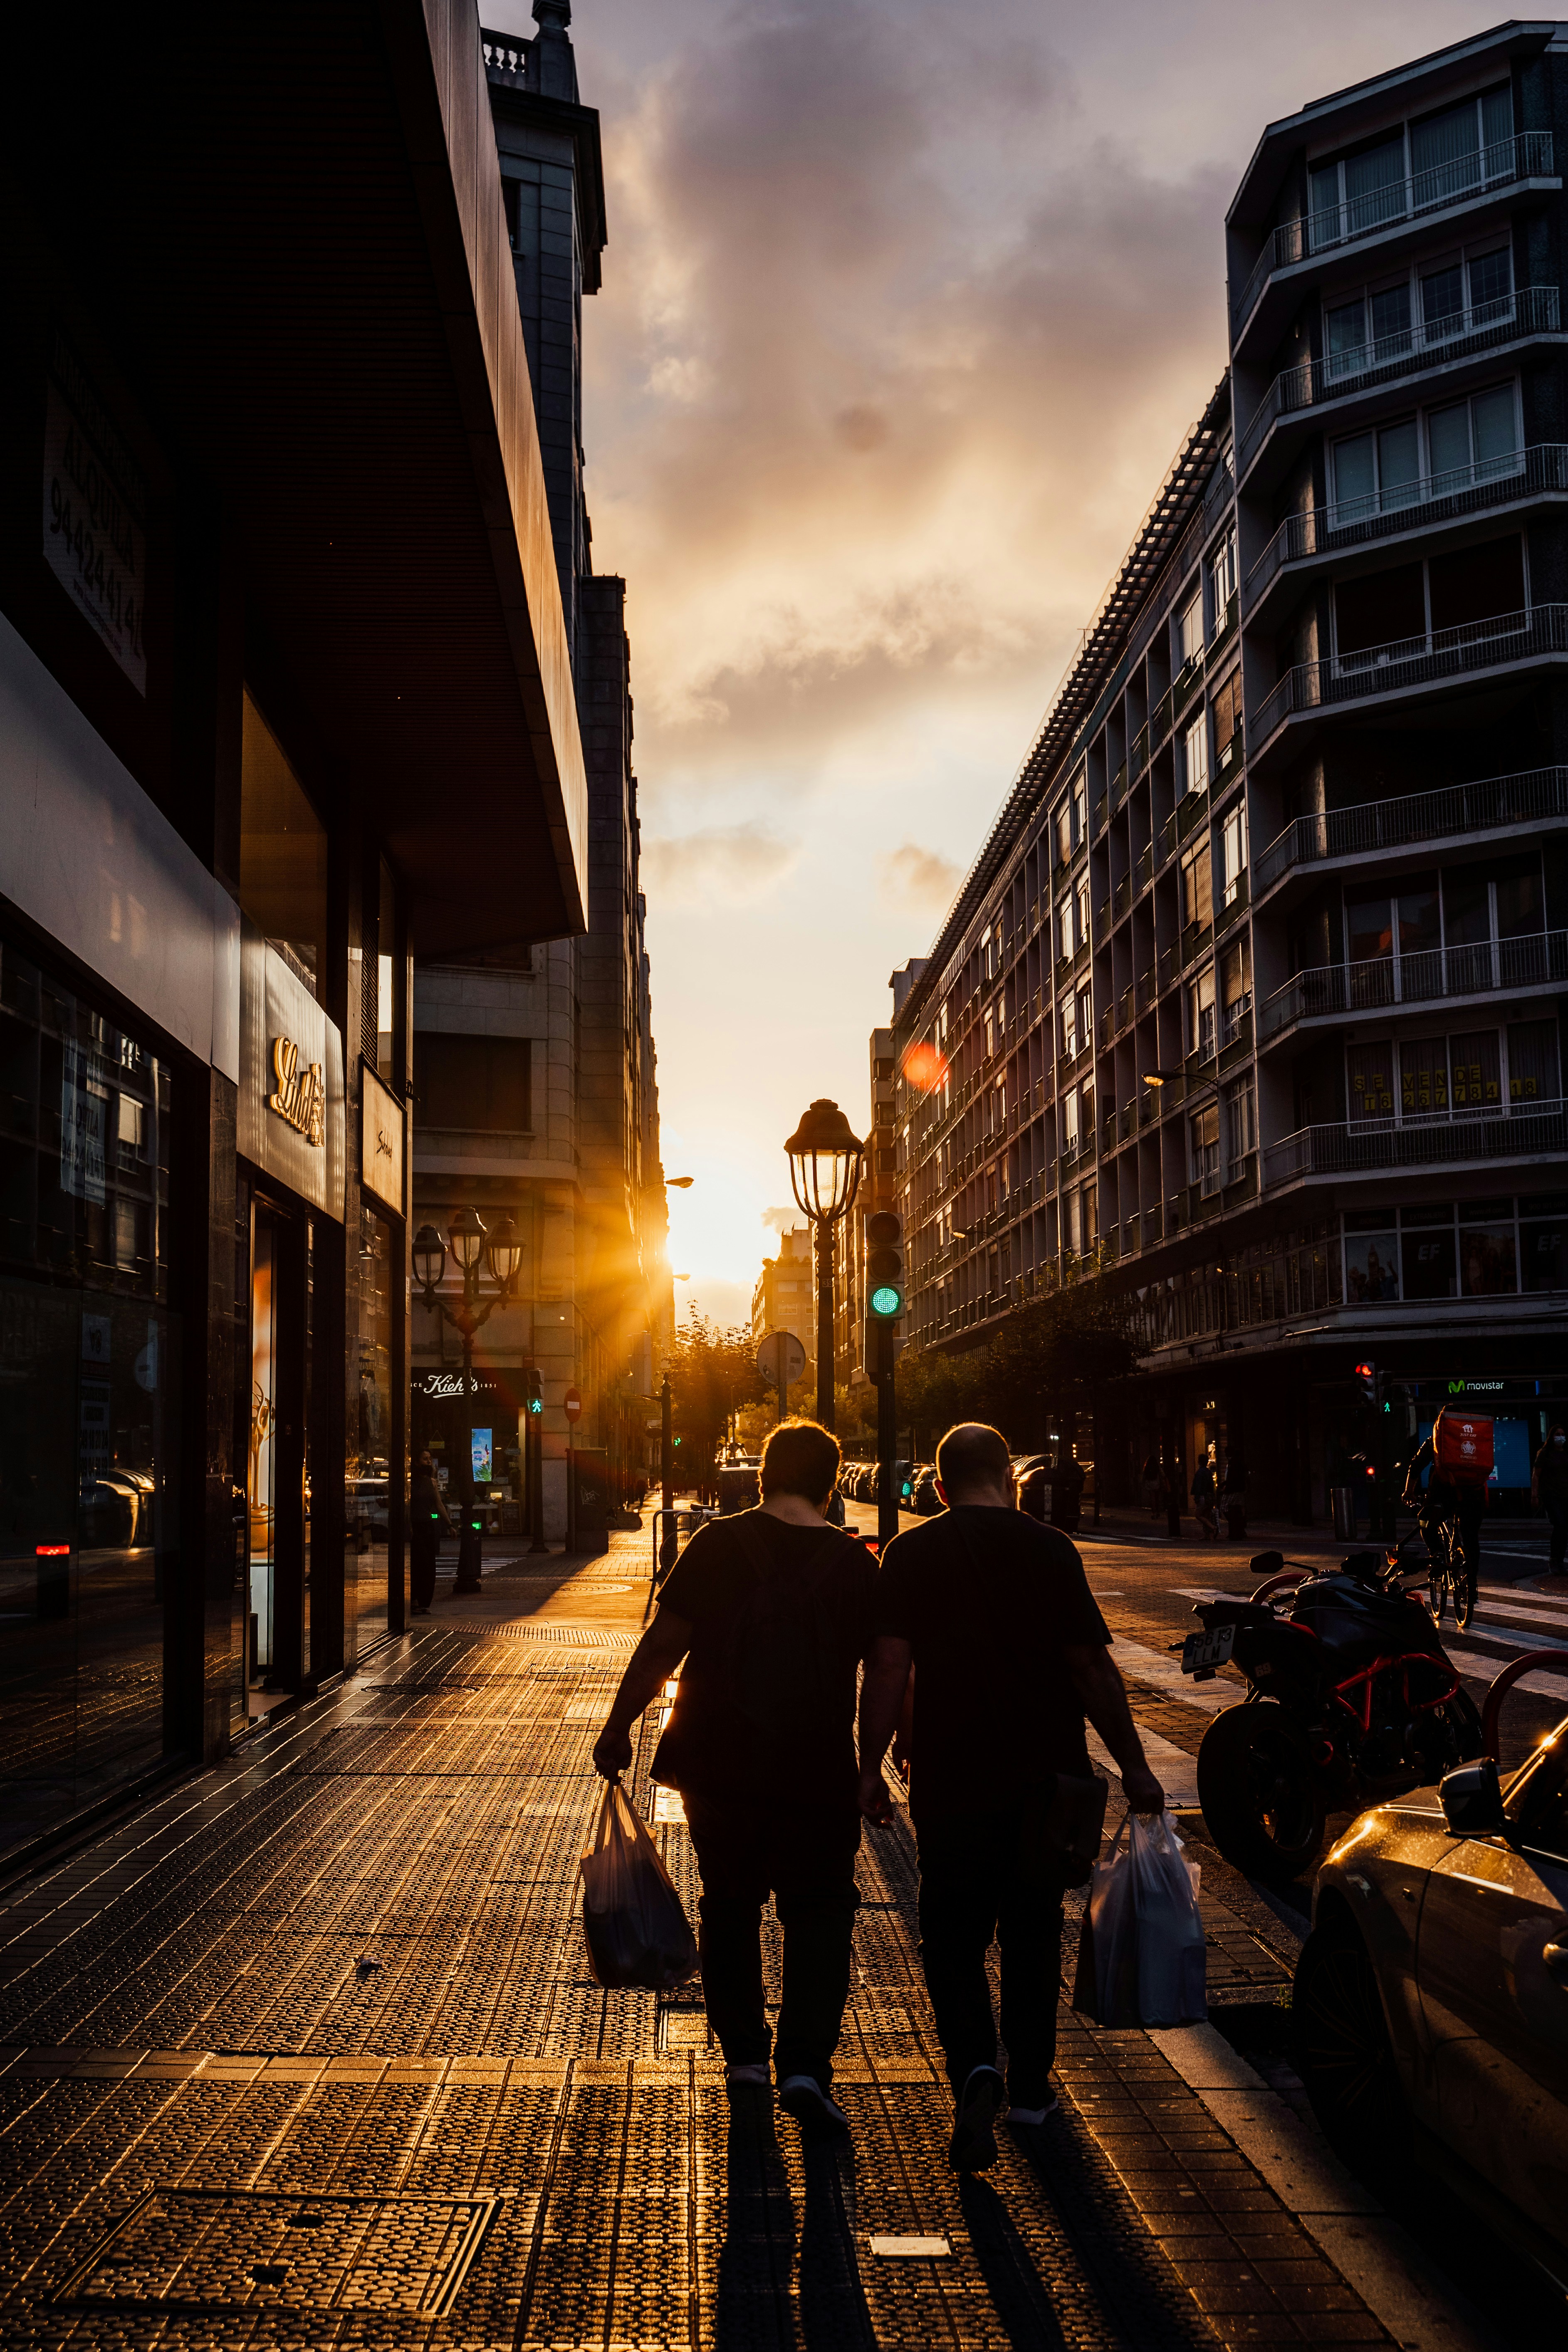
[[1365, 1371]]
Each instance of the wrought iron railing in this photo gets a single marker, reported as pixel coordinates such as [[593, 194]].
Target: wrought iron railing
[[1525, 155], [1529, 310], [1534, 795], [1412, 661], [1438, 498], [1511, 1132], [1538, 960]]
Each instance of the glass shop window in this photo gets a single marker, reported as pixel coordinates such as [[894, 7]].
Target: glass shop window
[[282, 854]]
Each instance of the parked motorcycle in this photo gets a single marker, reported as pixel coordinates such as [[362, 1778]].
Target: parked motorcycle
[[1351, 1699]]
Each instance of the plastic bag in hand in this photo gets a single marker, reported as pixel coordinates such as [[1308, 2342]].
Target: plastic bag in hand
[[636, 1931], [1143, 1952]]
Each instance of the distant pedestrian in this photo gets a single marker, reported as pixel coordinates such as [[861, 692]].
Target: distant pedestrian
[[427, 1514], [1549, 1490], [1204, 1498], [1175, 1494], [771, 1609], [994, 1614]]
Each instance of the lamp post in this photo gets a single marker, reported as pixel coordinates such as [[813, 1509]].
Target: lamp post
[[824, 1170], [499, 1250]]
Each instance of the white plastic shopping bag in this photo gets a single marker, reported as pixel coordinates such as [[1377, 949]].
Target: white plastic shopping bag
[[1142, 1958]]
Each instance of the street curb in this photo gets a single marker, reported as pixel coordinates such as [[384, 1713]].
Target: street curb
[[1373, 2253]]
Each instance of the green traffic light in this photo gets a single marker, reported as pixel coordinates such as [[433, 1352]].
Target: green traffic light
[[886, 1301]]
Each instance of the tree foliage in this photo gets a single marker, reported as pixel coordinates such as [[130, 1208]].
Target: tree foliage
[[712, 1375], [1051, 1358]]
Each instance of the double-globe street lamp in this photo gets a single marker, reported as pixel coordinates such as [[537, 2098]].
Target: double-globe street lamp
[[499, 1250], [824, 1170]]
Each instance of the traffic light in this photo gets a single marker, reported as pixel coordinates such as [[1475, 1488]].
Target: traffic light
[[535, 1397], [1366, 1380], [884, 1267]]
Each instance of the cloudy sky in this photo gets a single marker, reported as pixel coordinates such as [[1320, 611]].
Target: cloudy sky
[[907, 306]]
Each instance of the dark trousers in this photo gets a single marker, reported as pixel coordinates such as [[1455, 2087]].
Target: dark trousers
[[972, 1894], [804, 1857], [421, 1567], [1556, 1508]]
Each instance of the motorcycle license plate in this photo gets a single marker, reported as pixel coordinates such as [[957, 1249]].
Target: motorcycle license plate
[[1201, 1653]]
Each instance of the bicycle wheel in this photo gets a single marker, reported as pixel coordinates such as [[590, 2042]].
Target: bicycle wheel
[[1464, 1593], [1437, 1571]]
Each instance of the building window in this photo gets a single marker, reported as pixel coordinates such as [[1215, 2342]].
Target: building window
[[482, 1085], [1204, 1129], [1197, 885], [1435, 455], [1190, 630], [1233, 850], [1389, 617], [1451, 154], [1222, 580], [1236, 988], [1240, 1123], [1082, 912], [1079, 808], [1064, 929], [1195, 754], [1227, 719], [1201, 1015], [1375, 329]]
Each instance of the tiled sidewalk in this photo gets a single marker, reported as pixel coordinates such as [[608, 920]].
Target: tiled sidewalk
[[308, 2054]]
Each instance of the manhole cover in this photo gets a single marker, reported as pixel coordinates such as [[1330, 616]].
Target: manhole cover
[[247, 2249], [582, 1637]]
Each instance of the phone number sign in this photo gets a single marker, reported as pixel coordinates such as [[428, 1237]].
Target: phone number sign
[[94, 509]]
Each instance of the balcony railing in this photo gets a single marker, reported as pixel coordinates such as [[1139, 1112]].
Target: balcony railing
[[1144, 871], [1529, 798], [1412, 661], [1521, 1131], [1538, 960], [1526, 155], [1439, 498], [1529, 310]]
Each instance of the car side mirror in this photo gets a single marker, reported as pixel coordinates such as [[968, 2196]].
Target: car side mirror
[[1472, 1800]]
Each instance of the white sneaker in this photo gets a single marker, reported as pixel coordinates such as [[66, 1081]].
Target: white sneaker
[[803, 2097], [751, 2078], [1033, 2115], [974, 2144]]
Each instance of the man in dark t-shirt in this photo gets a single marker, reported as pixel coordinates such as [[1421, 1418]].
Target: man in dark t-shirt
[[994, 1613], [771, 1610]]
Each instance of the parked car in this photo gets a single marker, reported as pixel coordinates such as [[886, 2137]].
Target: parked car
[[1433, 1990], [924, 1498]]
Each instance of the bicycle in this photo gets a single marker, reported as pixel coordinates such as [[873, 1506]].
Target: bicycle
[[1453, 1578]]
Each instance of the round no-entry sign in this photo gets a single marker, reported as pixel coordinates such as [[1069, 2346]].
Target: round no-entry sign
[[573, 1400]]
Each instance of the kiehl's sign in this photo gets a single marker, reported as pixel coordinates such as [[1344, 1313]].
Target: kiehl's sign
[[291, 1114]]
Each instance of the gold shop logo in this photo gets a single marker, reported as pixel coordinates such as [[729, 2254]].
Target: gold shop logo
[[300, 1097]]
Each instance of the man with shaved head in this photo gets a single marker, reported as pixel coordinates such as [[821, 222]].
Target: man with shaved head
[[992, 1614]]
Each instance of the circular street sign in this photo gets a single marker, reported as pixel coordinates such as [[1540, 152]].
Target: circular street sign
[[780, 1353], [886, 1301], [573, 1403]]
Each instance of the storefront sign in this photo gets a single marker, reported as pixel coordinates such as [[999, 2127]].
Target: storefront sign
[[95, 510], [292, 1121], [381, 1140], [298, 1095]]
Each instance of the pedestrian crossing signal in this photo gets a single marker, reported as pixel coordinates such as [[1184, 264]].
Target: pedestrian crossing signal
[[535, 1397], [884, 1265]]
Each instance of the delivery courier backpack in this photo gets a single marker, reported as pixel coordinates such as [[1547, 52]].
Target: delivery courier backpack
[[1462, 1447]]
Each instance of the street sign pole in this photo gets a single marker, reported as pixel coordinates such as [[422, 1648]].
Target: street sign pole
[[665, 1445]]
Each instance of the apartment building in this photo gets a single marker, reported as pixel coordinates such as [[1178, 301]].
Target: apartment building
[[784, 1299], [535, 1078], [1253, 999]]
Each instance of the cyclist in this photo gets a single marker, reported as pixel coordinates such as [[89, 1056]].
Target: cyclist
[[1449, 1508]]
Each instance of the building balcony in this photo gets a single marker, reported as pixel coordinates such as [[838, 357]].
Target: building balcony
[[1327, 385], [1459, 812], [1430, 976], [1464, 180], [1412, 664], [1531, 1131], [1476, 489]]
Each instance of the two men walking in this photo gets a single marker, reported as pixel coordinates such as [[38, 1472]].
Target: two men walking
[[773, 1611]]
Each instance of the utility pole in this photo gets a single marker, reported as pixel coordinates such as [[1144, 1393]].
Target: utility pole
[[666, 1445]]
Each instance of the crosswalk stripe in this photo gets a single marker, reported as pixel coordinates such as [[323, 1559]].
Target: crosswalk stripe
[[1176, 1771], [1163, 1669]]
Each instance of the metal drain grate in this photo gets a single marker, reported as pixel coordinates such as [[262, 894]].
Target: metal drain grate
[[252, 2250]]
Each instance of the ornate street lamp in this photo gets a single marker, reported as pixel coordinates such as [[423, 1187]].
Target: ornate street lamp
[[824, 1171], [499, 1250]]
